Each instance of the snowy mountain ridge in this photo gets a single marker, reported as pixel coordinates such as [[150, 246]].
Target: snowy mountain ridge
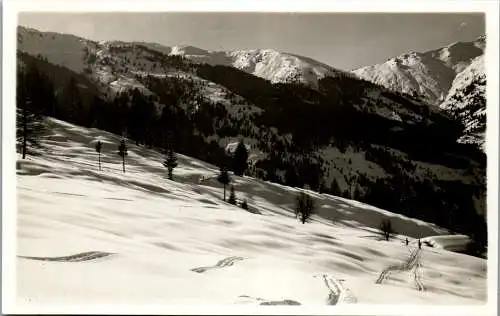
[[452, 77], [429, 74], [265, 63]]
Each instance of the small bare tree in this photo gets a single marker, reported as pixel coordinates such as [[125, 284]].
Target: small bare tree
[[386, 229]]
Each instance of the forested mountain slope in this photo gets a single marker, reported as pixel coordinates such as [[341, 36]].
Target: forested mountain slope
[[343, 135]]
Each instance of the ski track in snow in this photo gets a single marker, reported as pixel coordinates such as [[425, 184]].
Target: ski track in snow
[[283, 302], [338, 293], [265, 302], [417, 273], [79, 257], [227, 262], [412, 264]]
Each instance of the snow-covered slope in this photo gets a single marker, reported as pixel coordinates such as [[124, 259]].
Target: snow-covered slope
[[429, 75], [105, 237], [466, 100], [61, 49]]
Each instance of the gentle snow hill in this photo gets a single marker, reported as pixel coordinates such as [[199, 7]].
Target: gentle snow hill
[[428, 74], [92, 237]]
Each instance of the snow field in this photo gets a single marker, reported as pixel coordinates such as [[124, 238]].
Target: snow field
[[176, 242]]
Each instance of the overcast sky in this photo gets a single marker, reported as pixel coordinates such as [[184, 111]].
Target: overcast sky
[[342, 40]]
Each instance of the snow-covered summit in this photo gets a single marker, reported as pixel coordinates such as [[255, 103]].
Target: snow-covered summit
[[187, 50], [429, 74], [460, 54], [277, 66]]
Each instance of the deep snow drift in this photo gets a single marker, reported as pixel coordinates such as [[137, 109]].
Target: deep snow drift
[[103, 237]]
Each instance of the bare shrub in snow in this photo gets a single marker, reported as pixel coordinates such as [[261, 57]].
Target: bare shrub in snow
[[386, 229], [244, 205], [304, 207]]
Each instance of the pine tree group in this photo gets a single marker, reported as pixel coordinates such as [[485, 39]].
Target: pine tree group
[[34, 95]]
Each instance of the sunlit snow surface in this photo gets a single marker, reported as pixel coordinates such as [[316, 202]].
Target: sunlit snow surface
[[103, 237]]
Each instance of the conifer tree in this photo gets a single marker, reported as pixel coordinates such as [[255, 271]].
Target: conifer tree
[[74, 102], [141, 116], [291, 178], [304, 207], [244, 205], [224, 179], [94, 117], [232, 196], [170, 162], [240, 159], [98, 147], [335, 188], [30, 103], [322, 186], [122, 151]]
